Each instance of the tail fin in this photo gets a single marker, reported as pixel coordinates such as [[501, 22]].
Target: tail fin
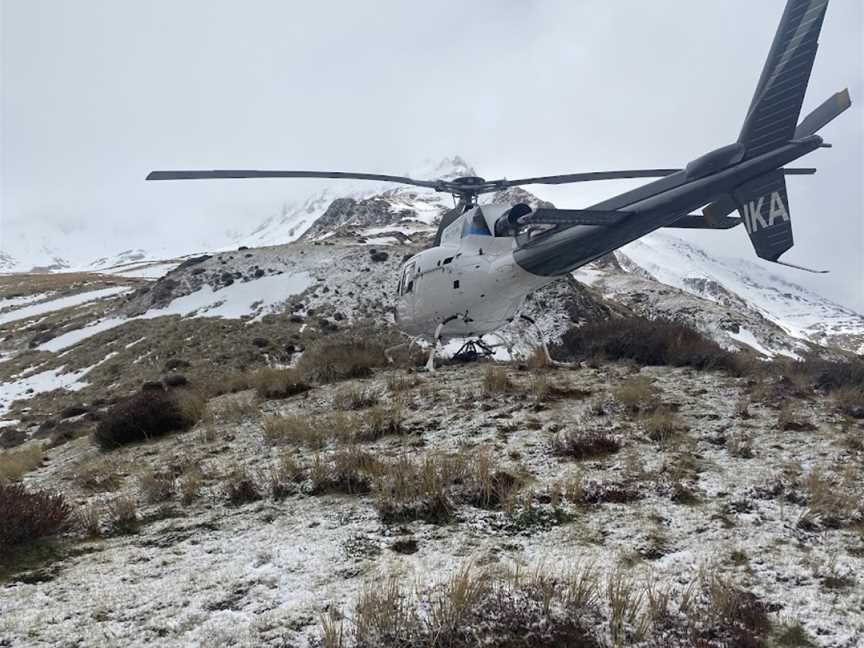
[[776, 105]]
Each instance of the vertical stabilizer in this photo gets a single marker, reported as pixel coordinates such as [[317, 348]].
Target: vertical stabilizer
[[776, 105]]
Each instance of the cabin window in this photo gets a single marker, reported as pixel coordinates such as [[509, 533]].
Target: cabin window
[[456, 284]]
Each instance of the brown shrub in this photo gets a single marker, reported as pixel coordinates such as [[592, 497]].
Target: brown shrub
[[584, 444], [28, 516], [647, 342], [278, 383], [146, 415]]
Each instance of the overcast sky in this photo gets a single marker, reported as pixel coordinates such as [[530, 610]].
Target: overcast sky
[[96, 93]]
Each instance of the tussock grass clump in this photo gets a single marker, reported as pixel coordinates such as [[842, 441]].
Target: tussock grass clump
[[27, 516], [342, 357], [584, 444], [14, 464], [637, 394], [285, 477], [647, 342], [579, 608], [496, 381], [240, 488], [123, 514], [417, 489], [662, 424], [270, 383], [98, 475], [294, 430], [380, 421], [790, 419], [354, 397], [740, 445], [350, 470], [430, 488], [148, 414], [473, 608], [850, 401], [487, 485], [156, 486]]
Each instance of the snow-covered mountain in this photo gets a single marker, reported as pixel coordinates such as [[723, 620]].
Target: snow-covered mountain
[[738, 302]]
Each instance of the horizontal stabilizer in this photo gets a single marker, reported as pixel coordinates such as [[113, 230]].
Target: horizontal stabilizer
[[831, 108], [567, 217], [704, 221]]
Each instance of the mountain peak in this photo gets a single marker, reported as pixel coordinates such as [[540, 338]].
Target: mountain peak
[[447, 168]]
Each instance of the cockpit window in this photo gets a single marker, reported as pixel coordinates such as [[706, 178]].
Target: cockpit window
[[450, 235], [406, 283], [476, 226]]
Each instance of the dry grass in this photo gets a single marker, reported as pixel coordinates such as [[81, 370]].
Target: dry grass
[[578, 608], [240, 488], [380, 421], [156, 485], [850, 401], [496, 381], [348, 470], [740, 445], [285, 476], [272, 383], [123, 514], [662, 424], [348, 355], [584, 444], [790, 419], [637, 394], [98, 475], [230, 409], [295, 430], [354, 397], [14, 464], [400, 383], [88, 519]]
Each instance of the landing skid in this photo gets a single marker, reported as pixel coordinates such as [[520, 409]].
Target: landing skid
[[473, 350]]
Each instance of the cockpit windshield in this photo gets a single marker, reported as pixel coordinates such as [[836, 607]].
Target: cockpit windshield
[[475, 226]]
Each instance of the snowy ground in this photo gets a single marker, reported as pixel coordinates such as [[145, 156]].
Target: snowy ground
[[206, 574]]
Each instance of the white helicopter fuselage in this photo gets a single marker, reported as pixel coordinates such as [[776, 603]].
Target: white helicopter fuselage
[[470, 284]]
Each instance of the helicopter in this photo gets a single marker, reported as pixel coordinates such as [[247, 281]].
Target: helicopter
[[487, 258]]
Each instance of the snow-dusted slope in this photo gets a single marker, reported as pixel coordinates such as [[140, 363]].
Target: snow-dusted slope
[[737, 282]]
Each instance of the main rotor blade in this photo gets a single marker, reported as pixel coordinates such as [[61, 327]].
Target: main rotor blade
[[589, 177], [214, 174], [612, 175]]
